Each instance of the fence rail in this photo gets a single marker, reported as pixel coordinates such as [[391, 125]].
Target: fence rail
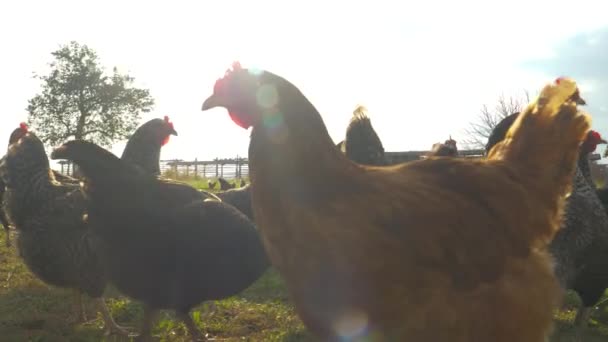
[[239, 167]]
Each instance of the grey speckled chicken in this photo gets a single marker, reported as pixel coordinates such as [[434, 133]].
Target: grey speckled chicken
[[580, 247], [53, 240], [15, 135]]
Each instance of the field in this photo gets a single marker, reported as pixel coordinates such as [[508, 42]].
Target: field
[[32, 311]]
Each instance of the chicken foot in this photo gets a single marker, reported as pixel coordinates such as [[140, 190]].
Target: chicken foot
[[110, 326], [8, 237], [7, 227], [191, 326]]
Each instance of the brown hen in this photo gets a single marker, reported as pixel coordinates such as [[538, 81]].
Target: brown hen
[[404, 253]]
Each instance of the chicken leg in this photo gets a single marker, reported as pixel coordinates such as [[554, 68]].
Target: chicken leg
[[80, 310], [7, 227], [580, 322], [191, 326], [150, 316], [110, 325], [8, 236]]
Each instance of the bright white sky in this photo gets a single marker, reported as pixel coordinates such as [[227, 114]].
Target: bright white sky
[[423, 68]]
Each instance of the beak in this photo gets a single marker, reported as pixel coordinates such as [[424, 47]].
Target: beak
[[602, 141], [580, 101], [212, 102], [173, 132]]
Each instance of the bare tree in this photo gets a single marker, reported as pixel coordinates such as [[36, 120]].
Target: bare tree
[[478, 131]]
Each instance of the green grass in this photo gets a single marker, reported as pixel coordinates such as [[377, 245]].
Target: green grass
[[199, 182], [32, 311]]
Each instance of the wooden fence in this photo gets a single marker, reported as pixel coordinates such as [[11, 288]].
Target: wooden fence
[[239, 167], [225, 168]]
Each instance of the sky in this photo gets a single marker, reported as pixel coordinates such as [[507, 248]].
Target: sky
[[423, 69]]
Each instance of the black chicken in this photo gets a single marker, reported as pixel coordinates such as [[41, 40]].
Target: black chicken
[[160, 241], [362, 145], [580, 247], [239, 198], [143, 148], [53, 240], [225, 185]]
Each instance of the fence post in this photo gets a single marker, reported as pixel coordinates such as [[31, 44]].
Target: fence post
[[195, 168], [216, 169]]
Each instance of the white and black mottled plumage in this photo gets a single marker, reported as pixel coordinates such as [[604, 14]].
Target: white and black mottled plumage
[[14, 137], [53, 240]]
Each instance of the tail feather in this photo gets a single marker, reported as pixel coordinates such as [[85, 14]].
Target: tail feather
[[362, 145], [543, 142]]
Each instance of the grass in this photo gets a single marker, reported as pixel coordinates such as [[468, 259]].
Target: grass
[[33, 311]]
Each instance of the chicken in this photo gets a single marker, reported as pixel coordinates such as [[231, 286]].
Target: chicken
[[14, 137], [602, 194], [447, 149], [362, 145], [60, 213], [580, 248], [239, 198], [211, 185], [161, 243], [589, 146], [224, 184], [53, 240], [143, 148], [404, 253], [499, 132]]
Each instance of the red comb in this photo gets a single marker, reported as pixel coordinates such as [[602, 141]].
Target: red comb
[[169, 123], [236, 65], [559, 79], [23, 126]]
